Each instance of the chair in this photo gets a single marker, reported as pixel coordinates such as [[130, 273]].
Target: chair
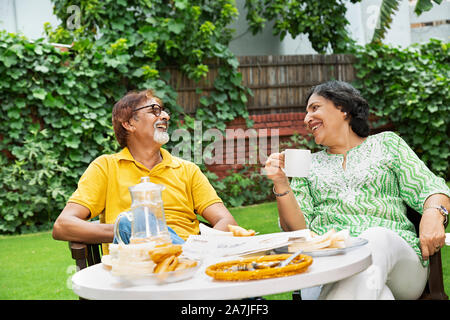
[[85, 254], [434, 289]]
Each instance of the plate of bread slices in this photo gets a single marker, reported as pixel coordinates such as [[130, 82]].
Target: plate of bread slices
[[329, 244]]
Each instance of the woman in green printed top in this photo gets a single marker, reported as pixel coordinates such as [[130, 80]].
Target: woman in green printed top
[[363, 183]]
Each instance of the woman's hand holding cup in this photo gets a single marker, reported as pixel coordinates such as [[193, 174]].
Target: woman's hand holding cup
[[289, 163], [274, 169]]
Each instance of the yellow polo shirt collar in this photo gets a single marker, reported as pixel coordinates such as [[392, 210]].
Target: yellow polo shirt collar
[[168, 160]]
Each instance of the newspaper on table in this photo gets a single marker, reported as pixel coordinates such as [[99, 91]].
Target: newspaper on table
[[213, 243]]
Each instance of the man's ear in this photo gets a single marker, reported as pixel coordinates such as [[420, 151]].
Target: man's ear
[[128, 126]]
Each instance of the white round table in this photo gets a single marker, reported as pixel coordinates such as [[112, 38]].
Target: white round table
[[96, 282]]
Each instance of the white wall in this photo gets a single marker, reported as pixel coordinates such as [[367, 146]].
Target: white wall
[[7, 15], [437, 13], [244, 43], [27, 16]]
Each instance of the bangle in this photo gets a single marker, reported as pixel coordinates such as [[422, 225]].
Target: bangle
[[441, 209], [279, 194]]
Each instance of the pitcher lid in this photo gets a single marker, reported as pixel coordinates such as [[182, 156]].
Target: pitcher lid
[[146, 185]]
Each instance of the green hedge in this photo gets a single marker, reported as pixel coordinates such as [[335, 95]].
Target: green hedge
[[56, 118], [411, 89]]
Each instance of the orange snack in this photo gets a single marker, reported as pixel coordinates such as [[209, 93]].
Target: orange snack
[[237, 270], [161, 253], [164, 265], [240, 232], [185, 264]]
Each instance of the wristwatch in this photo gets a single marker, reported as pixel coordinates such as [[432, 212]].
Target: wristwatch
[[441, 209]]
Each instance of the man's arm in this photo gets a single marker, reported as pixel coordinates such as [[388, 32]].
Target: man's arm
[[219, 216], [71, 225]]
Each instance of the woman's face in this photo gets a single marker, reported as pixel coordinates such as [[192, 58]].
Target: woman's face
[[324, 120]]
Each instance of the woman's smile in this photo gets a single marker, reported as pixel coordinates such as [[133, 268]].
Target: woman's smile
[[315, 125]]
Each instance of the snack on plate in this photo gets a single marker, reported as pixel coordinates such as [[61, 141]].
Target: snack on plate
[[161, 252], [329, 240], [185, 264], [241, 270], [240, 232], [166, 259], [166, 265]]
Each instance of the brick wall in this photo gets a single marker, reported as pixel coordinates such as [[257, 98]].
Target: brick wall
[[271, 131]]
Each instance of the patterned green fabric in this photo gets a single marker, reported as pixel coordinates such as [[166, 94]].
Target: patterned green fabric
[[382, 174]]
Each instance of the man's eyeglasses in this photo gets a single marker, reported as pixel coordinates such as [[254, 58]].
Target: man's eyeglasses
[[156, 109]]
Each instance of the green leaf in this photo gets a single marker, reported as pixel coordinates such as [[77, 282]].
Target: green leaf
[[72, 142], [75, 155], [219, 97], [237, 79], [181, 4], [175, 27], [148, 32], [243, 98], [39, 93], [63, 90], [387, 10], [41, 68], [204, 101], [14, 113], [52, 102], [9, 60], [422, 6], [38, 50], [20, 102], [16, 124], [16, 73]]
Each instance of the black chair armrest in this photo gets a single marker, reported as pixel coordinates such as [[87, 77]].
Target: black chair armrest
[[79, 253]]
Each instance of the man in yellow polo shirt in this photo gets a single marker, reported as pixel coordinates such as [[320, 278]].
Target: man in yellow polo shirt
[[140, 125]]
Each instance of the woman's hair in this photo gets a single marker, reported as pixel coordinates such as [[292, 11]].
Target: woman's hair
[[347, 99], [123, 111]]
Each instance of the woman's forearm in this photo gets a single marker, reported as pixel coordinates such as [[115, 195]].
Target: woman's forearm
[[437, 199], [431, 228], [291, 216]]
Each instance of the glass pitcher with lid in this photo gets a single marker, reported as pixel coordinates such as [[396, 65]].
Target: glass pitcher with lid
[[148, 222]]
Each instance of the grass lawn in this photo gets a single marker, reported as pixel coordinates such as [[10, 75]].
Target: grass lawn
[[35, 266]]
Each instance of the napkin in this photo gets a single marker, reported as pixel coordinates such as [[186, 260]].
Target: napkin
[[208, 231], [201, 246]]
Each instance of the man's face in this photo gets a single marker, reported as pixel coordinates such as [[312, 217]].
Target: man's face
[[151, 122]]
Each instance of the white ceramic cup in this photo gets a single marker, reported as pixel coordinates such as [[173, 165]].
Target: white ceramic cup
[[297, 162]]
